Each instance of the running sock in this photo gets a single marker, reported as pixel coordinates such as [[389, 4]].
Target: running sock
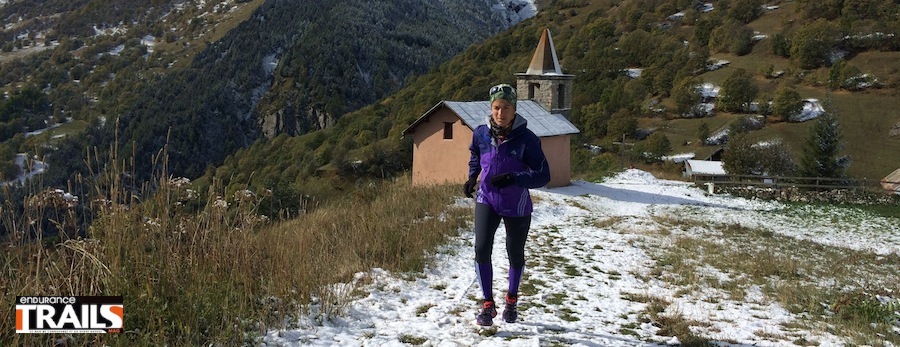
[[515, 278], [485, 277]]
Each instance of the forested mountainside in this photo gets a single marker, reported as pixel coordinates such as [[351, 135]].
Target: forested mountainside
[[639, 66], [328, 67], [80, 18], [208, 78]]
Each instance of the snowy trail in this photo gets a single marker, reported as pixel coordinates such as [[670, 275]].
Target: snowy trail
[[588, 258]]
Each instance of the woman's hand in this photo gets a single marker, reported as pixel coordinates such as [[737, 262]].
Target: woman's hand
[[469, 187], [503, 180]]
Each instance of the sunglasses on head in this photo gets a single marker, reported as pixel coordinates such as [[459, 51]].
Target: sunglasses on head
[[501, 87]]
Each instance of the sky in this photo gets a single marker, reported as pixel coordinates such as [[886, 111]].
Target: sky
[[581, 274]]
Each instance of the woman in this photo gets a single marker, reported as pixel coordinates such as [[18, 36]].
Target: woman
[[510, 160]]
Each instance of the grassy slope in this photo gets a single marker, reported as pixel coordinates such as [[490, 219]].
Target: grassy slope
[[866, 117]]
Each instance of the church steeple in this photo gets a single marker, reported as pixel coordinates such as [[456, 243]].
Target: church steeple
[[544, 81], [544, 60]]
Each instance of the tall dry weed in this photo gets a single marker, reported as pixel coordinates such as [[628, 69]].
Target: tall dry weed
[[221, 273]]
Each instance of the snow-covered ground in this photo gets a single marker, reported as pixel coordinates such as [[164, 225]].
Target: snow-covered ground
[[812, 109], [514, 11], [709, 90], [680, 157], [591, 251], [634, 72], [29, 167]]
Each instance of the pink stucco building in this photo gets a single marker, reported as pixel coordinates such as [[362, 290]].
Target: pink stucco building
[[441, 136]]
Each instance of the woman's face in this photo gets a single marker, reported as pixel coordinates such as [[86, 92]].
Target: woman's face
[[502, 112]]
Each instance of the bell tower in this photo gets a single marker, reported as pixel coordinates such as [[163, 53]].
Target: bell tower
[[544, 81]]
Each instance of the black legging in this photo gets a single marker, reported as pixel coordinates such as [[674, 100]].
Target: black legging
[[486, 223]]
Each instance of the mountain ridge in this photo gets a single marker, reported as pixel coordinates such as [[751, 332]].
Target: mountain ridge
[[290, 67]]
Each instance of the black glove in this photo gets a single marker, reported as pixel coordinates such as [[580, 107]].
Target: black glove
[[502, 181], [469, 187]]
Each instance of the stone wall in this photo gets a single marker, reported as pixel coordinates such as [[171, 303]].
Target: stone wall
[[794, 194], [546, 91]]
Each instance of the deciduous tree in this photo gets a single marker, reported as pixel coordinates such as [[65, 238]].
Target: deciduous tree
[[703, 132], [686, 96], [746, 10], [739, 157], [655, 146], [787, 103], [738, 91], [812, 43]]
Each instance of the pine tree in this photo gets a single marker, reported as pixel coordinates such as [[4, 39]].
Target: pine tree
[[703, 133], [822, 155]]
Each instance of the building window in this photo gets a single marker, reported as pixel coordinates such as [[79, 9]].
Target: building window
[[532, 89], [448, 130], [562, 96]]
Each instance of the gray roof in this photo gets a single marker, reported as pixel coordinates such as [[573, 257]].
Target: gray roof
[[540, 122]]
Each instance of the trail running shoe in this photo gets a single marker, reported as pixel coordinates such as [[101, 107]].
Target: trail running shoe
[[488, 312], [509, 312]]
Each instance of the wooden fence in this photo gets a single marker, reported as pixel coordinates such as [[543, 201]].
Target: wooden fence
[[812, 183]]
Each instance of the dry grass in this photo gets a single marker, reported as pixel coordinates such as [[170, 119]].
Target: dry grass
[[830, 286], [608, 222], [222, 275], [671, 323]]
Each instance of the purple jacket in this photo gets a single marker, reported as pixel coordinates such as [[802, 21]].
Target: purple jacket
[[521, 155]]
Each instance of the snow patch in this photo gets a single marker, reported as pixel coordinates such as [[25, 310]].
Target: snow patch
[[678, 158], [149, 41], [118, 30], [514, 11], [860, 82], [895, 131], [634, 72], [41, 131], [708, 90], [714, 65], [270, 62], [812, 109], [718, 138], [117, 49], [29, 167]]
